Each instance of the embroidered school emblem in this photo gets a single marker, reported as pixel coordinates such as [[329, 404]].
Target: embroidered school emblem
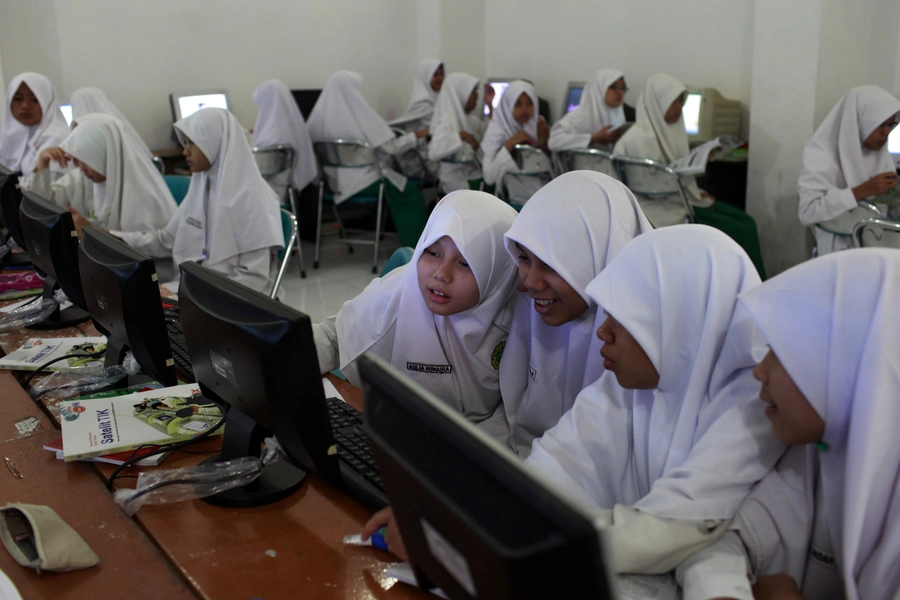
[[497, 355]]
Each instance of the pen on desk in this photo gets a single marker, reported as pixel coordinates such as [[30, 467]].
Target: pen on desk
[[12, 468]]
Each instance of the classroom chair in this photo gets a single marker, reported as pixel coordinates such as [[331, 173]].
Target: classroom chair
[[412, 164], [348, 154], [178, 185], [400, 257], [876, 233], [533, 163], [845, 223], [584, 159], [654, 183], [272, 161], [464, 156], [291, 237], [159, 164]]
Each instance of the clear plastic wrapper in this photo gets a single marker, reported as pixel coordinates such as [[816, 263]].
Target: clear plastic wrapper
[[168, 486], [28, 314], [88, 380]]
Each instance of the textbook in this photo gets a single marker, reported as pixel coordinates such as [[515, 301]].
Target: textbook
[[37, 351], [56, 445], [103, 426]]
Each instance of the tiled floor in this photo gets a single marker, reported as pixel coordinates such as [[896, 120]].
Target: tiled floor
[[341, 276]]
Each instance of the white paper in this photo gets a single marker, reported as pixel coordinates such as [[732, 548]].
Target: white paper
[[8, 589], [331, 391], [404, 572]]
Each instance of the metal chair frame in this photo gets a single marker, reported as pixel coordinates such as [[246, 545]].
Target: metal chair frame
[[160, 165], [531, 161], [623, 162], [425, 175], [285, 254], [877, 227], [845, 223], [567, 160], [272, 161], [463, 156], [348, 154]]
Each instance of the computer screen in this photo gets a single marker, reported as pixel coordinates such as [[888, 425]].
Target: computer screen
[[67, 113], [256, 358], [691, 113], [574, 90], [306, 100], [186, 104], [474, 521], [499, 86], [894, 146], [52, 243], [122, 295]]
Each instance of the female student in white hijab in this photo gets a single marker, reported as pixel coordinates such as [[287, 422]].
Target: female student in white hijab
[[32, 121], [826, 522], [669, 441], [443, 318], [565, 235], [342, 112], [89, 100], [453, 126], [280, 121], [127, 192], [515, 122], [597, 120], [659, 135], [847, 161], [426, 86], [229, 220]]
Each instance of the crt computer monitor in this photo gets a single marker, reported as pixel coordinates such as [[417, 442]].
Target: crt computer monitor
[[52, 243], [122, 295], [894, 146], [187, 103], [255, 357], [499, 85], [707, 115], [474, 522], [574, 90], [306, 100]]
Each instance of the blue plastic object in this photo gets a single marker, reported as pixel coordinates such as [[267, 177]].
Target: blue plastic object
[[399, 258]]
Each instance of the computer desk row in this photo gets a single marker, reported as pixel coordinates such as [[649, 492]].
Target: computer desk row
[[289, 549]]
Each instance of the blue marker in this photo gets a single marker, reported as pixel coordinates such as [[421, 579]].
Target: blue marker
[[378, 539]]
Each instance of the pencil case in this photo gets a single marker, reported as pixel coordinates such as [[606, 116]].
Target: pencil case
[[38, 538]]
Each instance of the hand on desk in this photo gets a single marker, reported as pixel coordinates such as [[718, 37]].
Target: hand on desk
[[385, 518]]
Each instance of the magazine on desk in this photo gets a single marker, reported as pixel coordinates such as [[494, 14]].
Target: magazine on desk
[[102, 426], [36, 351]]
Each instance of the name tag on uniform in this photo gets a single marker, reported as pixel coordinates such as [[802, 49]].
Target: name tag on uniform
[[826, 559], [434, 369], [194, 222], [532, 372]]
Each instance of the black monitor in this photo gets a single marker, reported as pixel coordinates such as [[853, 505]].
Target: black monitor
[[52, 241], [255, 357], [306, 100], [122, 295], [10, 199], [474, 522]]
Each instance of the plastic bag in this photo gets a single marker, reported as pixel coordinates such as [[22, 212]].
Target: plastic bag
[[87, 380], [176, 485], [28, 314]]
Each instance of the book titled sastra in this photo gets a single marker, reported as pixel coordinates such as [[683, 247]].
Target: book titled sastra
[[102, 426], [37, 351]]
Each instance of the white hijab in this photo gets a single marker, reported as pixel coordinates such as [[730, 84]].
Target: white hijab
[[832, 323], [593, 113], [835, 155], [576, 224], [450, 115], [89, 100], [653, 138], [503, 126], [422, 98], [20, 145], [229, 209], [693, 447], [390, 316], [280, 122], [134, 196], [342, 112]]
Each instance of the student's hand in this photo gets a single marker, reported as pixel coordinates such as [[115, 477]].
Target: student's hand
[[520, 137], [57, 154], [880, 184], [708, 196], [469, 139], [422, 133], [776, 587], [385, 518], [79, 221], [543, 130], [605, 136]]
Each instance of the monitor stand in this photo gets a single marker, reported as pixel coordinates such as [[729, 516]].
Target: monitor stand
[[59, 319], [243, 437]]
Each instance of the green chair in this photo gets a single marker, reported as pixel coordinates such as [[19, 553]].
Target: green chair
[[289, 227], [400, 257], [178, 185]]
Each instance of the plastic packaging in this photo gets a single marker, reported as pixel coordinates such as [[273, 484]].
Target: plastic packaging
[[87, 380], [28, 314], [168, 486]]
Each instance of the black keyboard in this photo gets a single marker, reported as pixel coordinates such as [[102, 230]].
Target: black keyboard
[[176, 338], [352, 442]]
